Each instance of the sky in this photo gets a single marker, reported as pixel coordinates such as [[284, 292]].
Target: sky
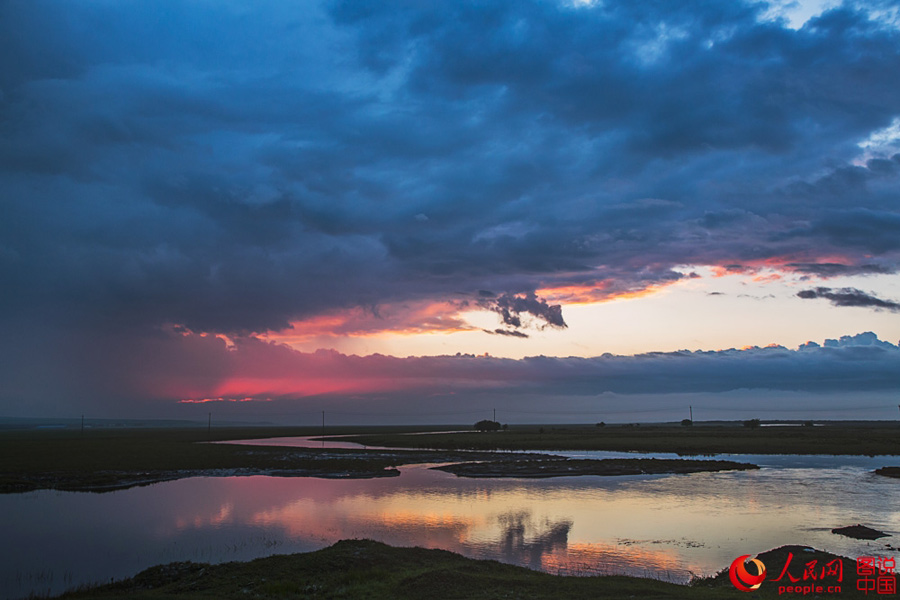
[[568, 211]]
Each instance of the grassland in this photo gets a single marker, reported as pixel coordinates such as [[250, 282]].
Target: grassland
[[113, 458], [108, 459], [857, 438], [362, 569]]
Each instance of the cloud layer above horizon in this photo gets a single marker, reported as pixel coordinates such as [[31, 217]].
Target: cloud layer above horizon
[[241, 168], [202, 369]]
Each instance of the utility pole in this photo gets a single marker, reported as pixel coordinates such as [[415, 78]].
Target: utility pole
[[495, 414], [323, 422], [82, 424], [692, 413], [209, 425]]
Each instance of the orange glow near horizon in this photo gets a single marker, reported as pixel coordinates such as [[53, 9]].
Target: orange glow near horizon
[[428, 317], [301, 385], [205, 400], [597, 294], [752, 307], [779, 265], [407, 319], [304, 385]]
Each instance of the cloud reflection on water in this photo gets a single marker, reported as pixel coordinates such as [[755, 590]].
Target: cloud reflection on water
[[665, 526]]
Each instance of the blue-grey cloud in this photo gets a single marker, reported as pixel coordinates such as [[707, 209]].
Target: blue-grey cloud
[[826, 269], [233, 167], [508, 332], [850, 297], [511, 309], [155, 373]]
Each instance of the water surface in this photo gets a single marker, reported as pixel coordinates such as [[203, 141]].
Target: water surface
[[659, 526]]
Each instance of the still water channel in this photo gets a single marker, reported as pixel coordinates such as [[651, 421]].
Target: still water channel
[[668, 527]]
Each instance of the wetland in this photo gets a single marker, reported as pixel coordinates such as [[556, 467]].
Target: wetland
[[221, 503]]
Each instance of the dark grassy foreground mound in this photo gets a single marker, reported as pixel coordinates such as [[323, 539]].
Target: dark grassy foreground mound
[[362, 569], [541, 468]]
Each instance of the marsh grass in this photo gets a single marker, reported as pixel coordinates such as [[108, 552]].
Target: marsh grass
[[108, 459], [103, 459], [855, 438]]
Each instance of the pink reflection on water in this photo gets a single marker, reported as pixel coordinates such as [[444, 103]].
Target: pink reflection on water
[[298, 442], [526, 523], [663, 527], [200, 521]]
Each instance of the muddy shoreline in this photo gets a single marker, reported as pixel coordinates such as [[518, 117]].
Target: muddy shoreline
[[610, 467]]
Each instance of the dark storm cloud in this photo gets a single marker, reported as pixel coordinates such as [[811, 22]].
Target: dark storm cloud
[[233, 167], [849, 297], [876, 230], [511, 309], [509, 332]]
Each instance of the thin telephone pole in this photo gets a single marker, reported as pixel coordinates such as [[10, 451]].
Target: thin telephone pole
[[692, 413], [323, 422], [82, 424], [209, 424], [495, 414]]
